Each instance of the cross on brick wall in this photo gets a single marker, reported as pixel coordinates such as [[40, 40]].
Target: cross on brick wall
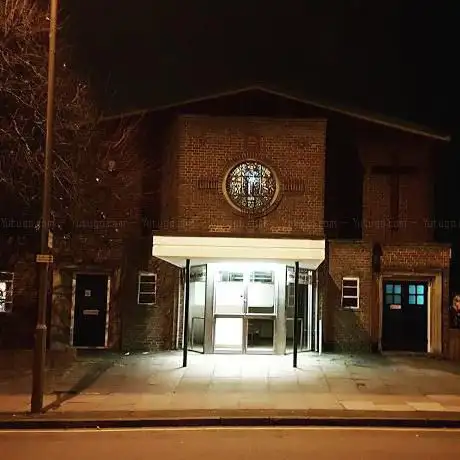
[[394, 174], [252, 146]]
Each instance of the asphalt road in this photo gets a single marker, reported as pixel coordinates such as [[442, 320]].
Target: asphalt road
[[230, 443]]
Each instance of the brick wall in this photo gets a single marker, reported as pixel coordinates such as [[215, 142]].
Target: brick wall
[[348, 330], [352, 330], [151, 327], [295, 149], [103, 235], [416, 194], [117, 241], [415, 257]]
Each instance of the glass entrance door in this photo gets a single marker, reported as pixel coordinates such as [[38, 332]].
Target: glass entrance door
[[260, 311], [306, 318], [229, 300], [244, 310], [197, 308]]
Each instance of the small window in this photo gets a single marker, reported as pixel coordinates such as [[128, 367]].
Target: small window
[[147, 289], [198, 274], [393, 294], [305, 276], [262, 277], [416, 294], [350, 293], [230, 277], [6, 292]]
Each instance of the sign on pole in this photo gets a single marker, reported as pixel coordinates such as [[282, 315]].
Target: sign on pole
[[44, 258]]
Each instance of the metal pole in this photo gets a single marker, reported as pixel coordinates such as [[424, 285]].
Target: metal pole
[[186, 310], [38, 372], [315, 307], [296, 311]]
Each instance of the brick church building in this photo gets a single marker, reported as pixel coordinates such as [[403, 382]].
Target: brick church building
[[276, 220]]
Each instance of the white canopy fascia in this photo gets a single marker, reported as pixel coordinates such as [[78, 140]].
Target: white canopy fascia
[[203, 250]]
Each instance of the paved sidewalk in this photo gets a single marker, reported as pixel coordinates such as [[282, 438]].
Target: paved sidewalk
[[329, 384]]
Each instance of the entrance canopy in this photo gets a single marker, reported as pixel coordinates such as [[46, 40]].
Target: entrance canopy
[[203, 250]]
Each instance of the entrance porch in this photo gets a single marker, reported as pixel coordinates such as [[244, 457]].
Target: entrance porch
[[247, 295]]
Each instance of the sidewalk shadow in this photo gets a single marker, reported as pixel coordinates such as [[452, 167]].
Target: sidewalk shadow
[[90, 377]]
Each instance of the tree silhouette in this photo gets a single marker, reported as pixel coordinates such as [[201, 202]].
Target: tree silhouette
[[86, 154]]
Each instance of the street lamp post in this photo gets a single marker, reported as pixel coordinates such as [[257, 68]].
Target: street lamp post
[[38, 372]]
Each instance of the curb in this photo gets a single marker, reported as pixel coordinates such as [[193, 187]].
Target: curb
[[32, 423]]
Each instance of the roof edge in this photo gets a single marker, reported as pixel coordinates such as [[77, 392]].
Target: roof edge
[[352, 113]]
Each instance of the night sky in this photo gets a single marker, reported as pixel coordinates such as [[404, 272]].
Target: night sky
[[395, 57], [392, 56]]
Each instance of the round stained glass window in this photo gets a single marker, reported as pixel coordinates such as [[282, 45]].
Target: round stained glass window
[[251, 187]]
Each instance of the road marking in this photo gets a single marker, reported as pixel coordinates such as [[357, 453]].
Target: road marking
[[226, 428]]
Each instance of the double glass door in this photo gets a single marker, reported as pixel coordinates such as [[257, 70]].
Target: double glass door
[[245, 309]]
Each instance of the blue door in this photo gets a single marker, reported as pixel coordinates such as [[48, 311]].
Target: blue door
[[405, 316]]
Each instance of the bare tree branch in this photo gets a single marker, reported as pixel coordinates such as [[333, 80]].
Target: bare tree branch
[[84, 152]]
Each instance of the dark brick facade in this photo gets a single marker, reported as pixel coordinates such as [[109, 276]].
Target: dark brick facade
[[359, 330], [206, 147], [348, 329], [173, 185], [415, 221]]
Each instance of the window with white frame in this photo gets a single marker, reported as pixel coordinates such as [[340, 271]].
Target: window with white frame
[[6, 292], [147, 288], [350, 293]]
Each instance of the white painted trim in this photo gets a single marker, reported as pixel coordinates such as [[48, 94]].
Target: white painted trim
[[310, 325], [203, 250], [380, 303], [107, 314], [428, 312], [72, 310], [315, 295]]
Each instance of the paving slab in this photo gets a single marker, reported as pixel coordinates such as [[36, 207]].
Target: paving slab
[[383, 386]]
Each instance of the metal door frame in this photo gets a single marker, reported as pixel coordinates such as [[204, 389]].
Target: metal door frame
[[193, 319], [311, 294], [245, 316]]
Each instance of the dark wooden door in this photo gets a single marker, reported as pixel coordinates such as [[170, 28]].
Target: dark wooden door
[[90, 310], [405, 316]]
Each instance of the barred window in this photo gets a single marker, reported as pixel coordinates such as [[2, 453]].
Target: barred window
[[350, 293], [147, 289], [6, 291]]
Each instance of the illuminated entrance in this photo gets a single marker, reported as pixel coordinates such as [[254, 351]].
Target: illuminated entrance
[[251, 309], [247, 295], [245, 307]]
